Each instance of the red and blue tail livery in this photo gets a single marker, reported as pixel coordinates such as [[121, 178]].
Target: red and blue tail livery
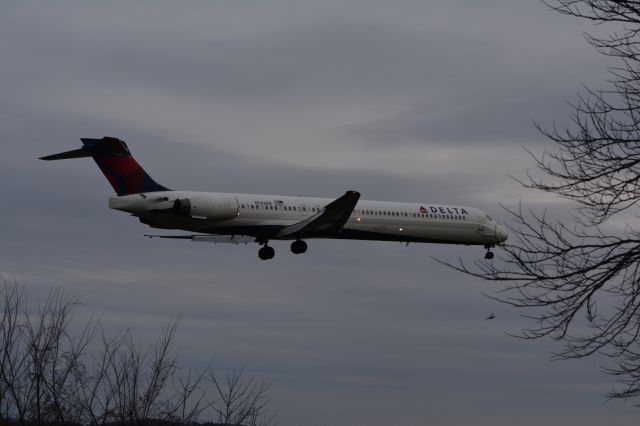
[[113, 157], [220, 217]]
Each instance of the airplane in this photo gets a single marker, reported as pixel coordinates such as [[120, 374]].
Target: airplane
[[246, 218]]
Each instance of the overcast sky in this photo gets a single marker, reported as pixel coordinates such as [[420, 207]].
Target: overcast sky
[[423, 101]]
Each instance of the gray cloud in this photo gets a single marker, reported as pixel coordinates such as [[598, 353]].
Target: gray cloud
[[510, 122]]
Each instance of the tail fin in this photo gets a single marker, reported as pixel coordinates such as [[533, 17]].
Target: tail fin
[[114, 159]]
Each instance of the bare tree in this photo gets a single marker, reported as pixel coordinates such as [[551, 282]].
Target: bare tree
[[241, 401], [48, 374], [578, 279], [38, 357]]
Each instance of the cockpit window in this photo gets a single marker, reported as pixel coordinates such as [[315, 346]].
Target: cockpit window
[[489, 218]]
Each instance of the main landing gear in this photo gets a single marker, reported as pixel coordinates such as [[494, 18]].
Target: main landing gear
[[489, 253], [266, 252], [298, 247]]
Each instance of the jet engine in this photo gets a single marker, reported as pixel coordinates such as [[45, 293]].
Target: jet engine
[[217, 208]]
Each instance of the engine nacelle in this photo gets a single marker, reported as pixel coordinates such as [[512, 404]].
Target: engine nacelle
[[216, 208]]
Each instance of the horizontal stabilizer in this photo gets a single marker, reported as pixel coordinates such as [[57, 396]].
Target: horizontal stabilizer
[[76, 153]]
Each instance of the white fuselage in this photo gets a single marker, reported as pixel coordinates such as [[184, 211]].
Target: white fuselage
[[261, 216]]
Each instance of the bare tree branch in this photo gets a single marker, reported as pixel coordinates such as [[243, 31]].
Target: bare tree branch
[[579, 283]]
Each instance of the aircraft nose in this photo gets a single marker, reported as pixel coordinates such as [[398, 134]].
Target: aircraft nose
[[501, 234]]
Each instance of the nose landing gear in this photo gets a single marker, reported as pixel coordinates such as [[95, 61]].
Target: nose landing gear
[[489, 253], [298, 247], [266, 252]]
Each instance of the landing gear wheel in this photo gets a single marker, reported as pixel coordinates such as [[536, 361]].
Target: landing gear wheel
[[266, 252], [489, 253], [298, 247]]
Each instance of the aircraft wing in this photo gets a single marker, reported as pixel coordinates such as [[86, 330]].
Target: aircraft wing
[[329, 220], [216, 239]]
